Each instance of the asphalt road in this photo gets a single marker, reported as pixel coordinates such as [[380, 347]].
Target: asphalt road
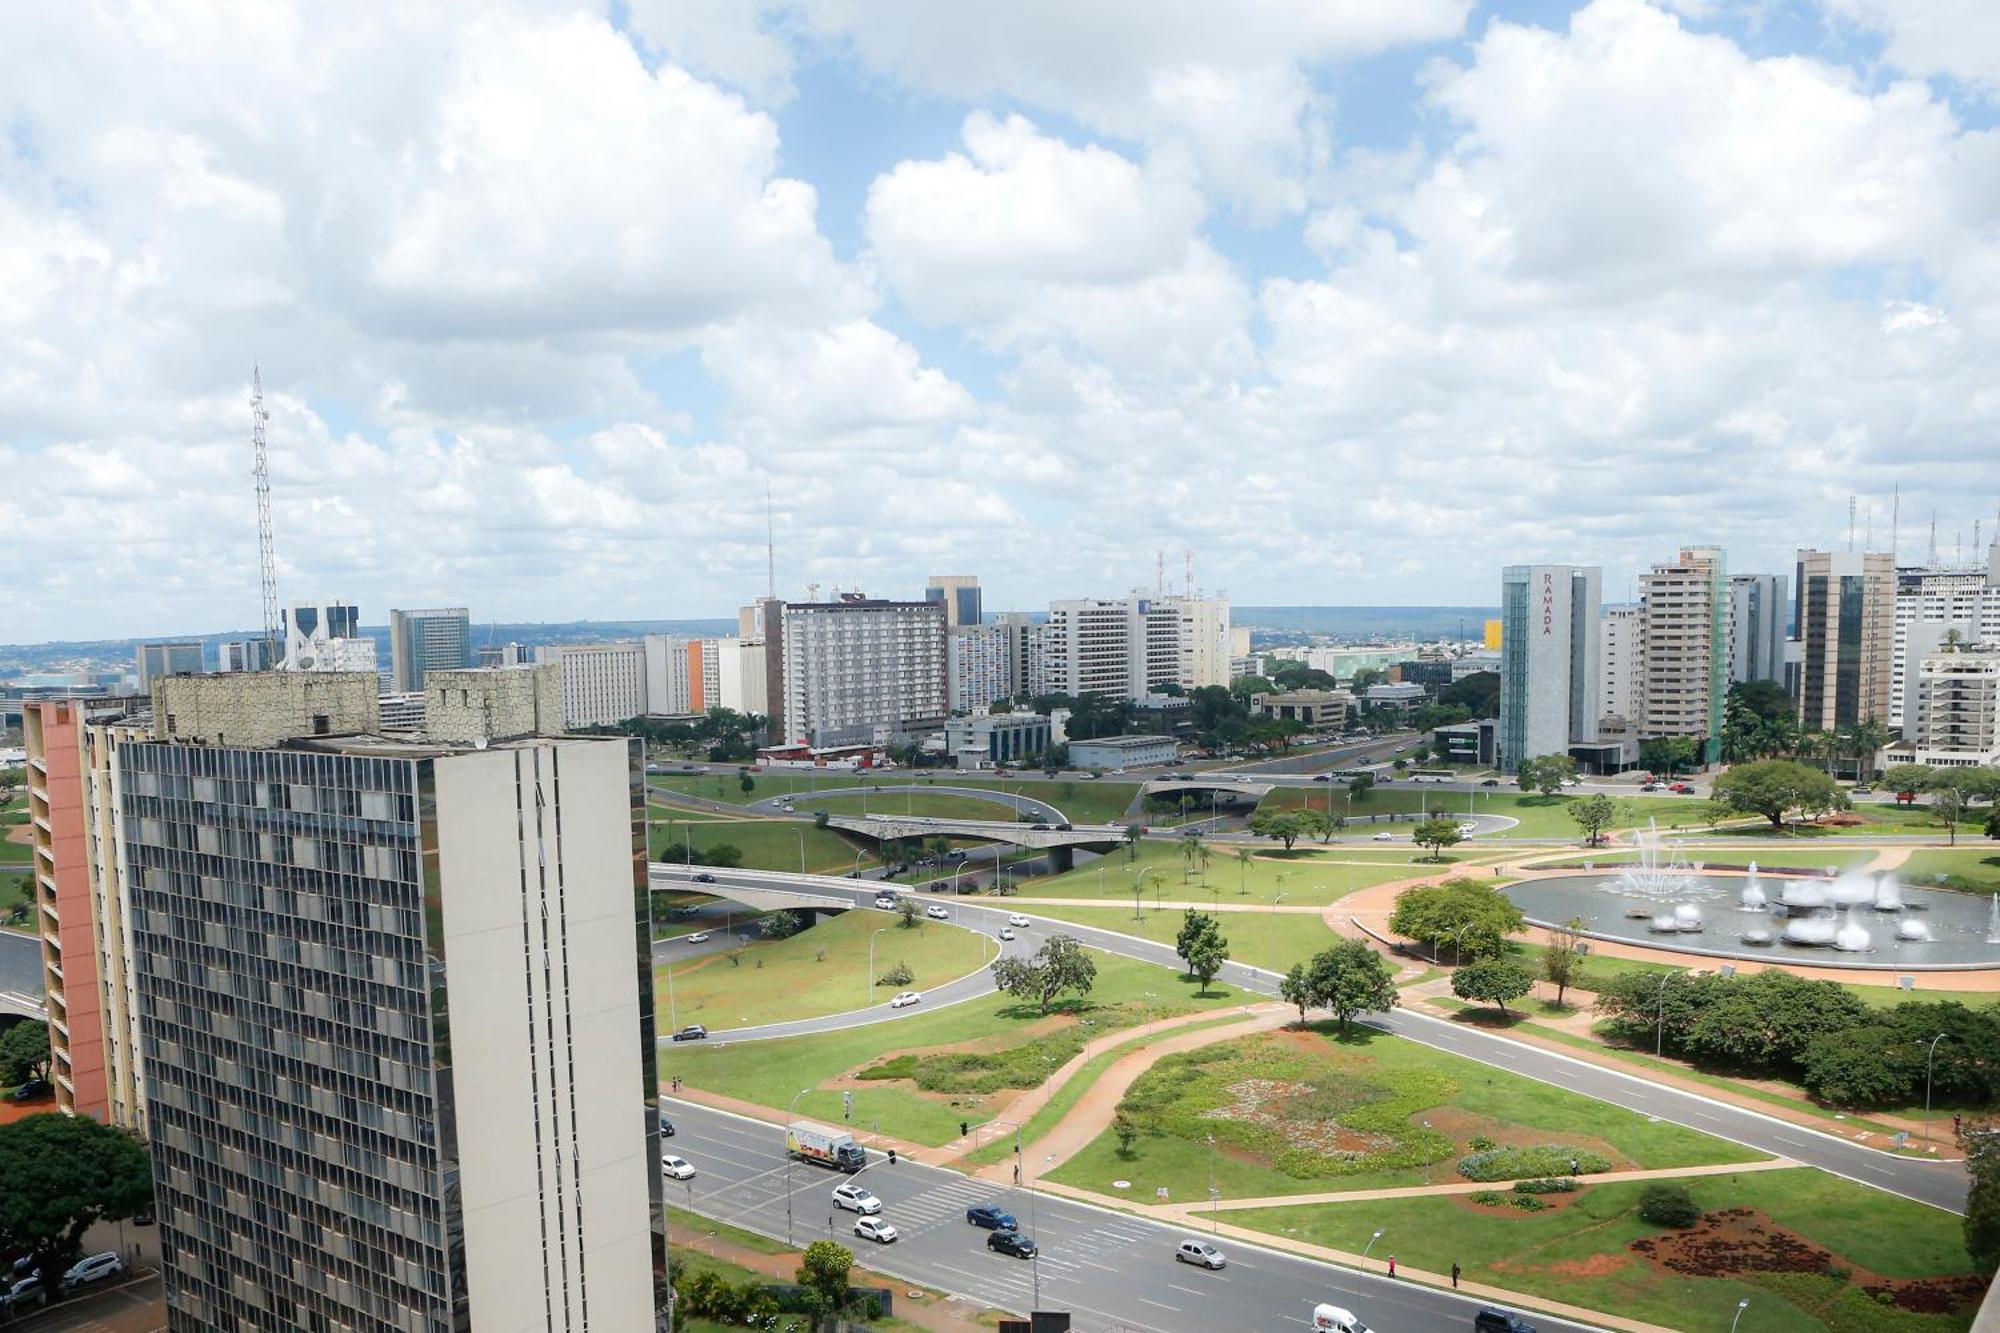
[[1033, 807], [1110, 1270], [1940, 1184]]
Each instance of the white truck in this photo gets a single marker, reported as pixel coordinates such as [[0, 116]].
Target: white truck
[[825, 1147]]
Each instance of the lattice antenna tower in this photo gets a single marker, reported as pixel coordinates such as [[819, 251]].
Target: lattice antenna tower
[[267, 559], [770, 549]]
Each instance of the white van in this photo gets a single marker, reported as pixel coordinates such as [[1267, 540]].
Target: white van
[[1333, 1319]]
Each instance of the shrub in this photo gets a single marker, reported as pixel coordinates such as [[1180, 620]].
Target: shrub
[[1527, 1203], [1545, 1185], [1492, 1198], [1480, 1143], [1545, 1159], [899, 975], [1667, 1205]]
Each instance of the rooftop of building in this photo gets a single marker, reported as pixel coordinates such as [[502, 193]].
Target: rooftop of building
[[1126, 742]]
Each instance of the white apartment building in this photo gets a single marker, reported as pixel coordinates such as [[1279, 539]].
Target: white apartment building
[[1206, 640], [683, 675], [739, 675], [1958, 708], [979, 666], [860, 670], [603, 684], [1618, 658], [1929, 604], [1684, 648], [1120, 648]]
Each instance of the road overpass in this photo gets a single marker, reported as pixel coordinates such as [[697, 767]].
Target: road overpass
[[1059, 840], [1226, 784]]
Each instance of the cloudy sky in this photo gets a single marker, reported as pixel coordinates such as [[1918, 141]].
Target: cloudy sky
[[1358, 300]]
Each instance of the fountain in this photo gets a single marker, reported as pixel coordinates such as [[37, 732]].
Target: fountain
[[1888, 893], [1913, 931], [1660, 880], [1761, 938], [1753, 899], [1687, 917], [1993, 922], [1663, 924], [1850, 889], [1814, 931], [1852, 937], [1802, 894]]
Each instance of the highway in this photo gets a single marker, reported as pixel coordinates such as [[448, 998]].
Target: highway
[[1112, 1271], [1942, 1185]]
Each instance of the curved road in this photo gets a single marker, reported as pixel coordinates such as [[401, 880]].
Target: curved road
[[1033, 807], [1941, 1184]]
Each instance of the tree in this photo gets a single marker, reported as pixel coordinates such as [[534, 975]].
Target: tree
[[1438, 834], [824, 1271], [1666, 1205], [1774, 788], [1296, 988], [1562, 957], [1478, 694], [1202, 947], [24, 1053], [1993, 822], [1546, 773], [780, 926], [1668, 754], [1593, 814], [1059, 965], [1474, 917], [1350, 979], [746, 784], [1494, 980], [1366, 676], [1282, 825], [1316, 824], [1243, 858], [906, 913], [1126, 1132], [726, 855], [1133, 832], [1982, 1204], [1360, 785], [61, 1175]]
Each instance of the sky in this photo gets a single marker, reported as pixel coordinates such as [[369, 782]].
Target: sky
[[1358, 302]]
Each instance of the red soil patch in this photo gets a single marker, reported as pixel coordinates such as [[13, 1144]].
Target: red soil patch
[[1597, 1265], [1551, 1203], [1462, 1127]]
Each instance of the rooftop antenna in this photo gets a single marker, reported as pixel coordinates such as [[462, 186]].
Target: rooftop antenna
[[1159, 573], [1187, 573], [770, 548], [1850, 522], [1931, 559], [1868, 530], [267, 560], [1895, 519]]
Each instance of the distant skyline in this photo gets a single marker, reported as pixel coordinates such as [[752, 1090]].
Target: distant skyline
[[1360, 302]]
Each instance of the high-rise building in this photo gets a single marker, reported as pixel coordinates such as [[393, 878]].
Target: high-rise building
[[958, 594], [763, 621], [979, 666], [1958, 707], [325, 636], [861, 670], [396, 1005], [504, 654], [1932, 602], [739, 675], [182, 657], [1759, 621], [245, 655], [1205, 640], [683, 675], [1847, 632], [1684, 647], [434, 640], [603, 684], [1618, 659], [1549, 678], [1120, 648]]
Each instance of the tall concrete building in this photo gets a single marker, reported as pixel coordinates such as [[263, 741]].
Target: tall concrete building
[[1619, 660], [859, 670], [979, 667], [1684, 643], [168, 659], [1549, 677], [1958, 708], [1847, 632], [1206, 640], [434, 640], [1931, 602], [603, 684], [683, 675], [1120, 648], [1760, 614], [739, 675], [246, 655], [325, 636], [1027, 653], [958, 594], [396, 1005], [763, 621]]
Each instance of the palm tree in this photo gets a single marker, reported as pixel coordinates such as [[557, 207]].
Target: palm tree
[[1778, 735], [1243, 870]]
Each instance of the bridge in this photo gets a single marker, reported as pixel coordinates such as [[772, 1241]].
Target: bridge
[[1057, 839], [764, 895], [15, 1004], [1221, 784]]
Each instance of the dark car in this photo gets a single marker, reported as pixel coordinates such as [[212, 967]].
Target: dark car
[[1323, 777], [1011, 1242], [991, 1216], [692, 1032], [33, 1088], [1065, 828], [704, 878], [666, 1128], [1041, 828], [1499, 1321], [1490, 782]]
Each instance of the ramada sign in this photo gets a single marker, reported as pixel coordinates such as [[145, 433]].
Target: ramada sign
[[1548, 605]]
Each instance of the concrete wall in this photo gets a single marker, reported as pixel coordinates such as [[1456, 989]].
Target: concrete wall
[[493, 703], [266, 707]]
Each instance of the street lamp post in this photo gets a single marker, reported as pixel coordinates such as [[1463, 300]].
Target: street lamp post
[[1929, 1056], [788, 1163], [673, 1022], [1427, 1159], [868, 982], [1371, 1244], [1741, 1306], [1214, 1195], [802, 849]]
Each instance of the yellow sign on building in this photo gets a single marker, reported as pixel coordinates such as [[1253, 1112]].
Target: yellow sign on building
[[1493, 635]]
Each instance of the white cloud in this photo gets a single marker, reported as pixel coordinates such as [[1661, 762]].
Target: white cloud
[[1959, 39]]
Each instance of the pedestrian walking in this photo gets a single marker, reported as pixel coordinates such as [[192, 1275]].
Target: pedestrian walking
[[1392, 1265], [892, 1157], [1454, 1277]]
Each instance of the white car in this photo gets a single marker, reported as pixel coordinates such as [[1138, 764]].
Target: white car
[[856, 1199], [1199, 1252], [699, 937], [1006, 932], [1385, 837], [1468, 829], [93, 1268], [1018, 920], [937, 912], [886, 903], [875, 1229], [905, 998], [677, 1167]]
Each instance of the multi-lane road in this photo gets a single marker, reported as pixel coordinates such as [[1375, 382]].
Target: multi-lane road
[[1110, 1270]]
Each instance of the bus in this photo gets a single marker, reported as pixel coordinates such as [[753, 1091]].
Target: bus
[[1432, 775]]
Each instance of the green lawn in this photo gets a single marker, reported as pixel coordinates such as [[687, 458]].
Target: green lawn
[[1311, 874], [766, 844], [696, 1261], [821, 970], [768, 1073], [1581, 1252], [1274, 940], [1084, 800], [1380, 1091], [1876, 820], [1976, 869], [1791, 858], [1539, 816]]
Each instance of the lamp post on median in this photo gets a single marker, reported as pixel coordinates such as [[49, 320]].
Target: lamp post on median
[[1371, 1244], [1214, 1195], [868, 982], [1741, 1306], [802, 849], [1929, 1056], [788, 1162]]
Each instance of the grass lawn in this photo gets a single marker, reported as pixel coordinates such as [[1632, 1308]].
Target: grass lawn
[[1539, 816], [1274, 940], [768, 1073], [1308, 876], [1085, 801], [1793, 858], [696, 1261], [1298, 1112], [1580, 1251], [1876, 820], [821, 970], [766, 844], [1975, 869]]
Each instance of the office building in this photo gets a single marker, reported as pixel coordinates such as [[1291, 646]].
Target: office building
[[1120, 648], [401, 712], [1760, 615], [1931, 602], [1618, 660], [861, 670], [1239, 641], [1958, 708], [739, 675], [1115, 754], [1401, 696], [683, 675], [763, 621], [979, 667], [433, 640], [396, 1005], [1027, 653], [1467, 742], [1847, 632], [504, 654], [1205, 640], [958, 594], [994, 740], [1433, 673], [1320, 710], [603, 684], [325, 636], [246, 655], [1684, 649], [1549, 675], [167, 659]]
